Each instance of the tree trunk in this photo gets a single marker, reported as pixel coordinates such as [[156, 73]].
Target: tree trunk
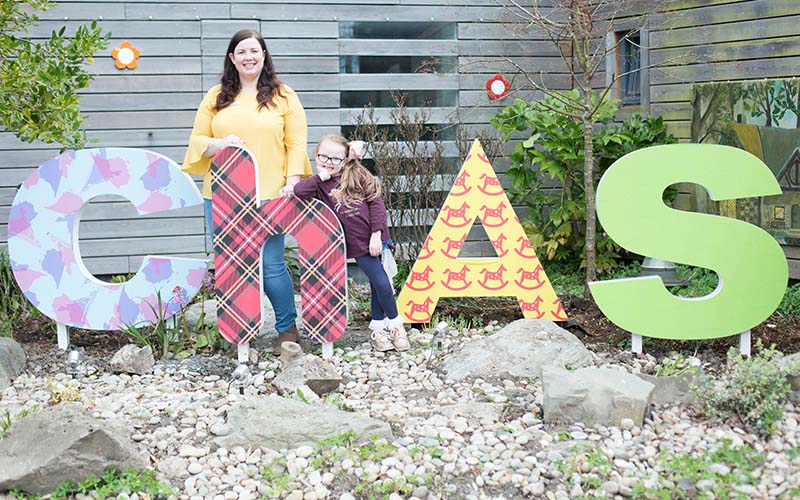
[[588, 187]]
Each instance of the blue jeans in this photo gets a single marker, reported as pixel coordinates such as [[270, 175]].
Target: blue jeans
[[382, 302], [276, 280]]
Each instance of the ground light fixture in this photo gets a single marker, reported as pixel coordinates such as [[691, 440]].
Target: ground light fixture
[[240, 375], [439, 331], [74, 359], [663, 268]]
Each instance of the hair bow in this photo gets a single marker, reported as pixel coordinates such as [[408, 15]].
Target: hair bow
[[356, 150]]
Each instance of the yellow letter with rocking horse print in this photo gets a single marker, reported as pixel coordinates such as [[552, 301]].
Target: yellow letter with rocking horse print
[[515, 272]]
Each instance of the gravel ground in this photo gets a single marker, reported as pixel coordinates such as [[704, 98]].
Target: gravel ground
[[472, 440]]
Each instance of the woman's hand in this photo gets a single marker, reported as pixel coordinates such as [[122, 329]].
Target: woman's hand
[[216, 145], [375, 244]]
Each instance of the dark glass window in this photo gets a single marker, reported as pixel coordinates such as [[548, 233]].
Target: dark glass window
[[629, 62], [441, 132], [398, 64], [386, 98], [397, 30]]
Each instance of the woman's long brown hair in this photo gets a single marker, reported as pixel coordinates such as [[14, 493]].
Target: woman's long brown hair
[[268, 83], [356, 182]]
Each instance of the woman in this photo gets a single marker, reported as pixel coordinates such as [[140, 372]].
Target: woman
[[250, 107]]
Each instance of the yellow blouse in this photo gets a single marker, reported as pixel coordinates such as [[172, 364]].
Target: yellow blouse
[[276, 135]]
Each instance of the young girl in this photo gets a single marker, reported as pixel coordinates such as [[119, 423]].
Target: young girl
[[354, 195]]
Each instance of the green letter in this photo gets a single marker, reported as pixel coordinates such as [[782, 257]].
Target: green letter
[[751, 266]]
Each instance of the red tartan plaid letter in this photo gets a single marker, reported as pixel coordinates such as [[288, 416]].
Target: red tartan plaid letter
[[242, 225]]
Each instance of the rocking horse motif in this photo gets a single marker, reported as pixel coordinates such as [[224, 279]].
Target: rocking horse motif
[[423, 276], [456, 276], [493, 182], [455, 213], [530, 276], [495, 213], [493, 276]]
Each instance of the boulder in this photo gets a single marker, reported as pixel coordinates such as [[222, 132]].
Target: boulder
[[520, 349], [319, 375], [277, 422], [594, 396], [206, 309], [133, 359], [12, 361], [63, 443], [671, 389]]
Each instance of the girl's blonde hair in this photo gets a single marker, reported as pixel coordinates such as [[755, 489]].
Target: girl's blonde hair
[[356, 182]]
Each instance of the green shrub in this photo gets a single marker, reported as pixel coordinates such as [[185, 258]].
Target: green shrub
[[790, 305], [12, 302], [754, 390], [552, 157]]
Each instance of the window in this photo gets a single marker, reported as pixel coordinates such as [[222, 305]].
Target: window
[[629, 63], [397, 30], [779, 213], [445, 132], [386, 98], [398, 64]]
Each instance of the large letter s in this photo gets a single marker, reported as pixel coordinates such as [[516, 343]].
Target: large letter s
[[751, 266]]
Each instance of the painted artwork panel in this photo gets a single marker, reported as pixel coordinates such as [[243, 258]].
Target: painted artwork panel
[[763, 118]]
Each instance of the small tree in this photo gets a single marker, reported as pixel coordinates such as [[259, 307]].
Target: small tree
[[39, 82], [578, 29], [410, 163]]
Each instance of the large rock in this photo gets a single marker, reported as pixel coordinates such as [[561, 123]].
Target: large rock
[[276, 422], [12, 361], [671, 389], [320, 375], [520, 349], [793, 361], [63, 443], [133, 359], [207, 310], [594, 396]]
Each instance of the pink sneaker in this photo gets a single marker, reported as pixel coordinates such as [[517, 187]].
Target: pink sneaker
[[399, 339], [380, 341]]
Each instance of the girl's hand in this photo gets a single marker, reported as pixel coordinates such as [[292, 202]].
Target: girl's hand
[[324, 174], [287, 191], [375, 244]]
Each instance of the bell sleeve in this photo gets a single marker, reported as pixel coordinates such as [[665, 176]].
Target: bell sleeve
[[295, 137], [195, 162]]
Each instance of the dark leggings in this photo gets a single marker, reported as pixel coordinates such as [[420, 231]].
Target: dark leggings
[[383, 304]]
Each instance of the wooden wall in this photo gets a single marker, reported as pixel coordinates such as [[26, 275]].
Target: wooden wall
[[183, 43]]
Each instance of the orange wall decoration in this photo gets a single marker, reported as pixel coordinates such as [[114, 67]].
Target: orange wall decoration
[[515, 272], [125, 56]]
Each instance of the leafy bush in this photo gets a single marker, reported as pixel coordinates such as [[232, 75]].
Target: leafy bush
[[754, 390], [12, 301], [790, 305], [547, 170]]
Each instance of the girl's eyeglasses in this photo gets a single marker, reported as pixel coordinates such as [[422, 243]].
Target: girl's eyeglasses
[[333, 160]]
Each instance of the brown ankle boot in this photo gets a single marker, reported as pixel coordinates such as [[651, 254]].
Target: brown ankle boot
[[289, 335]]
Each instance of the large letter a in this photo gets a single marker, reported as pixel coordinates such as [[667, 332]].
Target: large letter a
[[516, 271]]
